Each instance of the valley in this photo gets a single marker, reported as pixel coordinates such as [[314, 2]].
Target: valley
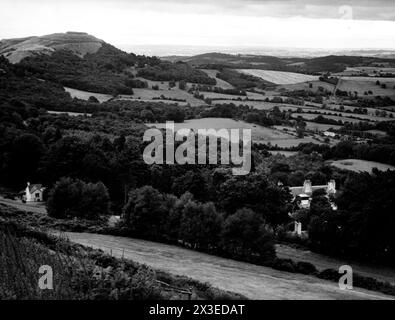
[[74, 110]]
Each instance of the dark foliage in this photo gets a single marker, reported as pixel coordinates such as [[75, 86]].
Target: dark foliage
[[166, 71]]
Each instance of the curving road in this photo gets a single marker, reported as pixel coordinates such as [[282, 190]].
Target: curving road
[[255, 282]]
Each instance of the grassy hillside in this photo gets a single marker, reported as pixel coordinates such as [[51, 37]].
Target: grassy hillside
[[80, 272]]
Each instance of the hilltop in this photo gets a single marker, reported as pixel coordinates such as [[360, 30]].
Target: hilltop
[[77, 60], [80, 43]]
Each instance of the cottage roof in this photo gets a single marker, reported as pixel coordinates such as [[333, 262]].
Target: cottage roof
[[299, 191], [35, 187]]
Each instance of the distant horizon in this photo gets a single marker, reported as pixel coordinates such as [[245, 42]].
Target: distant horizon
[[163, 50], [335, 25]]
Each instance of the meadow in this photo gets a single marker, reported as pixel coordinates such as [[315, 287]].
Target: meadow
[[366, 84], [279, 77], [85, 95], [358, 165], [315, 85], [212, 73], [171, 96], [260, 134]]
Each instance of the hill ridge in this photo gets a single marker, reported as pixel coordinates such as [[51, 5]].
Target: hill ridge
[[79, 43]]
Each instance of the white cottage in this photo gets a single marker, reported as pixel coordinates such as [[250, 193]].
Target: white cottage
[[33, 193], [305, 193]]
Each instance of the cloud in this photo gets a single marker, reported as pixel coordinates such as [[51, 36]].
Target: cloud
[[316, 9], [282, 23]]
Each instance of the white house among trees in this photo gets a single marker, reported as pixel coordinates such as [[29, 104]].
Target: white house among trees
[[33, 193], [305, 193]]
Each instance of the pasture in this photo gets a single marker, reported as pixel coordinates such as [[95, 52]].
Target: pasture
[[318, 127], [370, 111], [84, 95], [253, 281], [212, 73], [259, 133], [362, 71], [169, 94], [366, 84], [347, 116], [358, 165], [315, 86], [279, 77]]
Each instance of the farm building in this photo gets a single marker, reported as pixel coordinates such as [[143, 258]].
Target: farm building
[[304, 195], [329, 134], [33, 193]]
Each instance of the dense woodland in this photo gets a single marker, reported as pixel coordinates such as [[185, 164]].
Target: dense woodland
[[166, 71]]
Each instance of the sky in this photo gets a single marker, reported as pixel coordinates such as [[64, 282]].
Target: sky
[[321, 24]]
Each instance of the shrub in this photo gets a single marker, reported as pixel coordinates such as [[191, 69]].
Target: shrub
[[306, 268], [200, 224], [284, 265], [75, 198], [244, 235]]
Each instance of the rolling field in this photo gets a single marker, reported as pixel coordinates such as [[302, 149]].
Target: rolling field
[[370, 111], [84, 95], [212, 73], [363, 84], [174, 93], [255, 282], [306, 86], [348, 116], [358, 165], [259, 134], [374, 79], [359, 71], [320, 126], [279, 77]]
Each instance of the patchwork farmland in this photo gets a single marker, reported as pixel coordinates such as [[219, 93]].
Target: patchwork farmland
[[276, 137]]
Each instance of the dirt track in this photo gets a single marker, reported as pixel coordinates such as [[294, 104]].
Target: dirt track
[[255, 282]]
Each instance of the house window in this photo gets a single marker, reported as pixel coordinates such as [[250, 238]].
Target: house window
[[37, 195]]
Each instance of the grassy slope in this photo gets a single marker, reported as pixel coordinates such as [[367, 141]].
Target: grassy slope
[[80, 272], [195, 264], [255, 282]]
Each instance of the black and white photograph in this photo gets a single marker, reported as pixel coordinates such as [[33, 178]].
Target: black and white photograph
[[178, 153]]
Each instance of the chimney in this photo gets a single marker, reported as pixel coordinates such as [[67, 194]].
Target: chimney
[[28, 184], [331, 187], [307, 187]]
